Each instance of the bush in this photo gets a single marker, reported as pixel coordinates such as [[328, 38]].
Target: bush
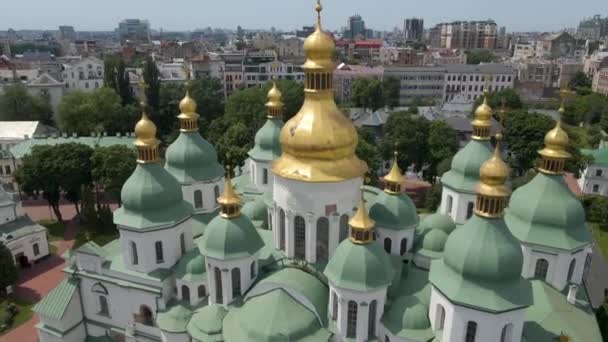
[[596, 209]]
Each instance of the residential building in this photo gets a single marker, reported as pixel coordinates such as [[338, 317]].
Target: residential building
[[600, 81], [345, 75], [557, 45], [413, 29], [234, 72], [595, 62], [49, 88], [259, 72], [410, 56], [67, 33], [290, 47], [464, 35], [524, 50], [355, 28], [418, 82], [444, 57], [134, 30], [263, 41], [594, 180], [85, 74], [364, 50], [471, 80], [208, 65]]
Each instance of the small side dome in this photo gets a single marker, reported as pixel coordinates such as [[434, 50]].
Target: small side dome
[[394, 211], [434, 240], [438, 222], [187, 105], [206, 323], [256, 210], [230, 238], [145, 131], [416, 316]]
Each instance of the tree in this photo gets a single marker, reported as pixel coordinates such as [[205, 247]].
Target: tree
[[525, 133], [74, 170], [580, 80], [409, 135], [375, 95], [8, 270], [233, 145], [479, 56], [111, 167], [359, 92], [391, 88], [16, 104], [109, 71], [367, 93], [508, 97], [151, 76], [588, 109], [367, 151], [123, 83], [443, 143]]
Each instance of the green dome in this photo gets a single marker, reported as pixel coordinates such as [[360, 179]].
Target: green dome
[[360, 267], [439, 222], [393, 211], [190, 158], [267, 145], [464, 172], [191, 266], [206, 323], [434, 240], [230, 238], [151, 198], [406, 313], [416, 317], [545, 212], [481, 266], [256, 210]]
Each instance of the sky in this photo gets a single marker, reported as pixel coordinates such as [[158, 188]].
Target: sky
[[183, 15]]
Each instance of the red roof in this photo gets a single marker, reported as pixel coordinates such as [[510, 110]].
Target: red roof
[[361, 43]]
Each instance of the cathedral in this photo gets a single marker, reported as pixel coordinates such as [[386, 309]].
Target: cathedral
[[296, 248]]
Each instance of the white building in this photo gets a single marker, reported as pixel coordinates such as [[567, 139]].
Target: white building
[[471, 80], [594, 180], [85, 74]]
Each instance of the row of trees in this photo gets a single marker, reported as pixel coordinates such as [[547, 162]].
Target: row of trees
[[17, 104], [371, 93]]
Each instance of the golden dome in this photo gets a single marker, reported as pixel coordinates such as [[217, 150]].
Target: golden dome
[[361, 224], [145, 132], [229, 200], [556, 142], [274, 94], [319, 46], [483, 120], [274, 104], [493, 175], [394, 178], [188, 118], [187, 105]]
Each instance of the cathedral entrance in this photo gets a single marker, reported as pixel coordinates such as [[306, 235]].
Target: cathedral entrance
[[22, 260]]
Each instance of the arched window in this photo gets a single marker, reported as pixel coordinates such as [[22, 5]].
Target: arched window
[[185, 293], [216, 193], [36, 249], [103, 306], [587, 265], [448, 206], [299, 226], [182, 243], [252, 270], [282, 229], [265, 176], [198, 199], [334, 306], [469, 210], [403, 246], [439, 317], [145, 316], [322, 239], [134, 257], [158, 247], [99, 288], [219, 298], [372, 320], [542, 266], [571, 270], [471, 332], [387, 245], [202, 292], [507, 331], [236, 282], [343, 227], [351, 320]]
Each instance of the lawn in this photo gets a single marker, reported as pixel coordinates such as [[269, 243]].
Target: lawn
[[601, 238], [55, 229], [86, 234], [24, 313]]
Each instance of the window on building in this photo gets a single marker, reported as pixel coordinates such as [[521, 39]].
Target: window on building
[[219, 297], [334, 306], [134, 257], [387, 245], [185, 293], [216, 192], [372, 320], [158, 247], [322, 239], [86, 85], [471, 332], [198, 199], [541, 269], [236, 282], [202, 292], [35, 247], [598, 173], [252, 270], [282, 229], [265, 176], [440, 317], [571, 269], [103, 309], [505, 335], [596, 188], [182, 243], [470, 207], [7, 170], [145, 316], [403, 248], [299, 226], [351, 320], [448, 206], [343, 227]]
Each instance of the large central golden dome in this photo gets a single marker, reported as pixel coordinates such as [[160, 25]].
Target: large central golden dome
[[319, 142]]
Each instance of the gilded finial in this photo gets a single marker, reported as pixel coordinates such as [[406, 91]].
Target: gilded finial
[[143, 99], [274, 104], [563, 337], [394, 178], [361, 224], [555, 153], [145, 133], [482, 122], [492, 192], [319, 8], [229, 201]]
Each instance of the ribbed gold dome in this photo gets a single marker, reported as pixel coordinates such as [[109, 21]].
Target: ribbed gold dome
[[483, 120], [274, 104], [188, 118], [493, 175], [319, 46], [394, 178], [145, 131], [187, 105], [556, 142], [361, 224], [229, 201]]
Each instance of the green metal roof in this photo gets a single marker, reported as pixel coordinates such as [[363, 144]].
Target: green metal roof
[[361, 267], [407, 317], [600, 156], [481, 267], [267, 146], [206, 323], [230, 238], [545, 212], [464, 172], [20, 227], [200, 222], [551, 315], [191, 267], [25, 147], [175, 318], [257, 211], [56, 302], [190, 159], [93, 248], [151, 198], [432, 234], [437, 221], [393, 211]]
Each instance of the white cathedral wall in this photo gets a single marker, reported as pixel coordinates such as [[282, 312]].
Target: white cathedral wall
[[174, 337], [25, 245], [207, 189], [72, 318], [8, 214], [489, 325], [78, 334], [257, 174], [312, 201], [396, 236], [559, 264], [145, 242], [193, 288], [226, 267], [422, 261], [459, 204]]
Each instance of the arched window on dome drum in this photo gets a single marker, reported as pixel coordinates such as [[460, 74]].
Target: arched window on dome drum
[[403, 246], [219, 296], [448, 206], [182, 243], [351, 320], [322, 239], [216, 193], [542, 267], [236, 282], [299, 226], [471, 332], [252, 270], [586, 267], [265, 176], [103, 306], [158, 247], [507, 331], [372, 320], [334, 306], [198, 199], [202, 292], [470, 207], [571, 270], [134, 257], [440, 317], [387, 245], [343, 227], [282, 229], [186, 293]]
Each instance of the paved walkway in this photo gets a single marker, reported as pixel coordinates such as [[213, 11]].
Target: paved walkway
[[39, 280]]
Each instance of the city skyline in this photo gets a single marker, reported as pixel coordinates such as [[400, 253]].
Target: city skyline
[[189, 15]]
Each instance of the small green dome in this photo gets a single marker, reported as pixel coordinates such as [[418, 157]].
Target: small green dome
[[256, 210], [393, 211], [206, 323], [191, 267], [407, 313], [464, 172], [416, 317], [359, 267], [267, 146], [230, 238], [434, 240], [151, 197], [190, 158], [437, 221], [545, 212]]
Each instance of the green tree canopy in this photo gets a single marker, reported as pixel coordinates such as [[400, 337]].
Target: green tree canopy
[[8, 270], [478, 56], [151, 77], [74, 169], [16, 104], [588, 109], [391, 88], [409, 135], [368, 93], [367, 150], [580, 80], [525, 133], [509, 97], [443, 143], [111, 166]]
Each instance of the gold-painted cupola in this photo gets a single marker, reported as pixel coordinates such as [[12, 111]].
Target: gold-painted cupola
[[555, 154], [394, 178], [230, 203], [274, 104], [482, 123], [492, 191], [145, 139], [361, 225]]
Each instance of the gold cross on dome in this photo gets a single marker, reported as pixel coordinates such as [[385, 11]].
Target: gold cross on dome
[[143, 86], [187, 69]]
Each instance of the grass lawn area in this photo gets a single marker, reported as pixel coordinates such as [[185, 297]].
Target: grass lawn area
[[601, 238], [98, 238], [24, 312], [55, 229]]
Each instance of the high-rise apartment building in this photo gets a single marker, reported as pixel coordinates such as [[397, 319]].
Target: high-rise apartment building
[[134, 30], [413, 29], [355, 28], [464, 35], [592, 28], [67, 33]]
